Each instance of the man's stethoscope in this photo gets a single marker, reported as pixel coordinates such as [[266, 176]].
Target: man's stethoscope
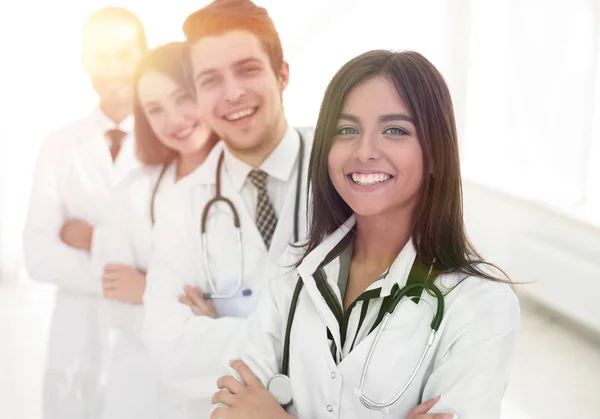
[[238, 292], [280, 385]]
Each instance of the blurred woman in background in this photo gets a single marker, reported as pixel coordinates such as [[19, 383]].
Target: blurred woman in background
[[171, 142]]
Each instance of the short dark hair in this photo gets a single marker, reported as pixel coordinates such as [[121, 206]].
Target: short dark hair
[[119, 12], [223, 16], [438, 229]]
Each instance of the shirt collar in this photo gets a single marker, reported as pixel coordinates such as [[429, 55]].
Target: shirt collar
[[397, 274], [105, 123], [314, 259], [279, 164]]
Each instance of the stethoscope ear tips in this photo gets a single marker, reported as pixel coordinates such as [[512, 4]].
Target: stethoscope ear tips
[[247, 292]]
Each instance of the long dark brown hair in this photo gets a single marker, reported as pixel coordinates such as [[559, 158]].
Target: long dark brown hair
[[438, 230]]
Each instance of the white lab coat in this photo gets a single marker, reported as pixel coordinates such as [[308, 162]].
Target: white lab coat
[[134, 389], [468, 363], [73, 178], [187, 348]]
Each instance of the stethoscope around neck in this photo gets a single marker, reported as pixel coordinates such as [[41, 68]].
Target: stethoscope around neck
[[237, 291], [280, 384], [236, 222]]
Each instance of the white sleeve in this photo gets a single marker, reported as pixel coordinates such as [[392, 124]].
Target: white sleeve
[[260, 342], [113, 242], [47, 258], [471, 371], [186, 348]]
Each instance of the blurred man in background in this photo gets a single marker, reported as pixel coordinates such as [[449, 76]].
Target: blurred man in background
[[76, 169]]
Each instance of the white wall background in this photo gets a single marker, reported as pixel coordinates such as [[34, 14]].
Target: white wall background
[[525, 81]]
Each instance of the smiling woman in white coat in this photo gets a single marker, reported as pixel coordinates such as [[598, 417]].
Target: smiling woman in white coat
[[76, 170], [171, 141], [387, 214]]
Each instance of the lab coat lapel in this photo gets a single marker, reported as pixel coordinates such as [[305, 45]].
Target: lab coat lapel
[[90, 161], [284, 232], [308, 268], [315, 258], [125, 163], [97, 158], [324, 311]]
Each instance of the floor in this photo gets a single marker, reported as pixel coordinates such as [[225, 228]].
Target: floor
[[556, 374]]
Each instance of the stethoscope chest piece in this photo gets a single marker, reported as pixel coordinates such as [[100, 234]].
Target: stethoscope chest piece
[[280, 387]]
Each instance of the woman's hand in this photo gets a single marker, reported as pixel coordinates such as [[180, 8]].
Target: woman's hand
[[251, 400], [123, 283], [193, 298]]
